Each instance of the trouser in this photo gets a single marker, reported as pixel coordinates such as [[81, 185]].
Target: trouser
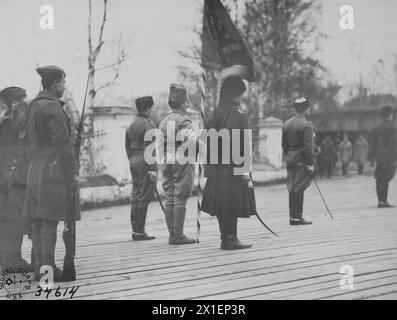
[[296, 204], [384, 173], [360, 168], [44, 238], [382, 190], [175, 213], [142, 191], [227, 226], [177, 186]]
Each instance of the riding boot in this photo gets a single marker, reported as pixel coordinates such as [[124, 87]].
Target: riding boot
[[291, 205], [298, 201], [379, 192], [133, 214], [230, 240], [48, 243], [179, 221], [139, 233], [169, 218]]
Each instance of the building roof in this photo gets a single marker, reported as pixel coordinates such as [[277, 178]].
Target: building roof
[[346, 120], [113, 110]]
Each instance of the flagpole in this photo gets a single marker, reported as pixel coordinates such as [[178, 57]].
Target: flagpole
[[200, 164]]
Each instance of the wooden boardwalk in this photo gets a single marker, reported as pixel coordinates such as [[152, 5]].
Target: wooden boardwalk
[[304, 263]]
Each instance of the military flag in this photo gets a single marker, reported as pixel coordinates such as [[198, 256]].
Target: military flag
[[223, 48]]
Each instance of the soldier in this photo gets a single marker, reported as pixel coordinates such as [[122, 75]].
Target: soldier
[[297, 143], [384, 152], [328, 155], [52, 170], [226, 194], [177, 178], [361, 153], [345, 151], [14, 162], [143, 175]]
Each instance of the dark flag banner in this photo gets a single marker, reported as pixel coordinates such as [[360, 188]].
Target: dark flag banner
[[222, 45]]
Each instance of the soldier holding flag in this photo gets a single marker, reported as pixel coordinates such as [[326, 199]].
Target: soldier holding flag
[[226, 194]]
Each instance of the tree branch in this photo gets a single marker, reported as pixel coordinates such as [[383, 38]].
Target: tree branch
[[89, 27], [100, 39]]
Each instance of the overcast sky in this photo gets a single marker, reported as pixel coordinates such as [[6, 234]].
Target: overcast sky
[[153, 31]]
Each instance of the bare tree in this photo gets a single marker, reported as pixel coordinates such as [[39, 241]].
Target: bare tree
[[94, 51]]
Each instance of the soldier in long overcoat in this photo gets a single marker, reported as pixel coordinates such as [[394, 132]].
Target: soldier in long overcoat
[[297, 143], [143, 174], [52, 170], [384, 152], [14, 162], [226, 193]]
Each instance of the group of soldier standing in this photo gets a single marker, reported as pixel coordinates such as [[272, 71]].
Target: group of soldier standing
[[38, 167]]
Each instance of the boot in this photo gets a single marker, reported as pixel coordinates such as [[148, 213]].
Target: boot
[[139, 233], [300, 221], [385, 205], [291, 205], [233, 243], [133, 214], [48, 243], [297, 219], [179, 221], [169, 218], [16, 262]]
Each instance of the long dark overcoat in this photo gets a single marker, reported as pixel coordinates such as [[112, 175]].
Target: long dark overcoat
[[384, 150], [226, 193], [13, 168], [53, 162]]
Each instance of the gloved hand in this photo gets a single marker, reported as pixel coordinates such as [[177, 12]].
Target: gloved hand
[[153, 175]]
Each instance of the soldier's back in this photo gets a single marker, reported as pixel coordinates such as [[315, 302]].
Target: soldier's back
[[293, 130]]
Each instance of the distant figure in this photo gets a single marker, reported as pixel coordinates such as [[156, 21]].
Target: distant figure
[[328, 153], [384, 152], [345, 150], [361, 153], [317, 157], [143, 175], [297, 143]]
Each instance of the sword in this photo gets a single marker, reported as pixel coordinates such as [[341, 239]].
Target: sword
[[252, 198], [319, 191], [159, 200]]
